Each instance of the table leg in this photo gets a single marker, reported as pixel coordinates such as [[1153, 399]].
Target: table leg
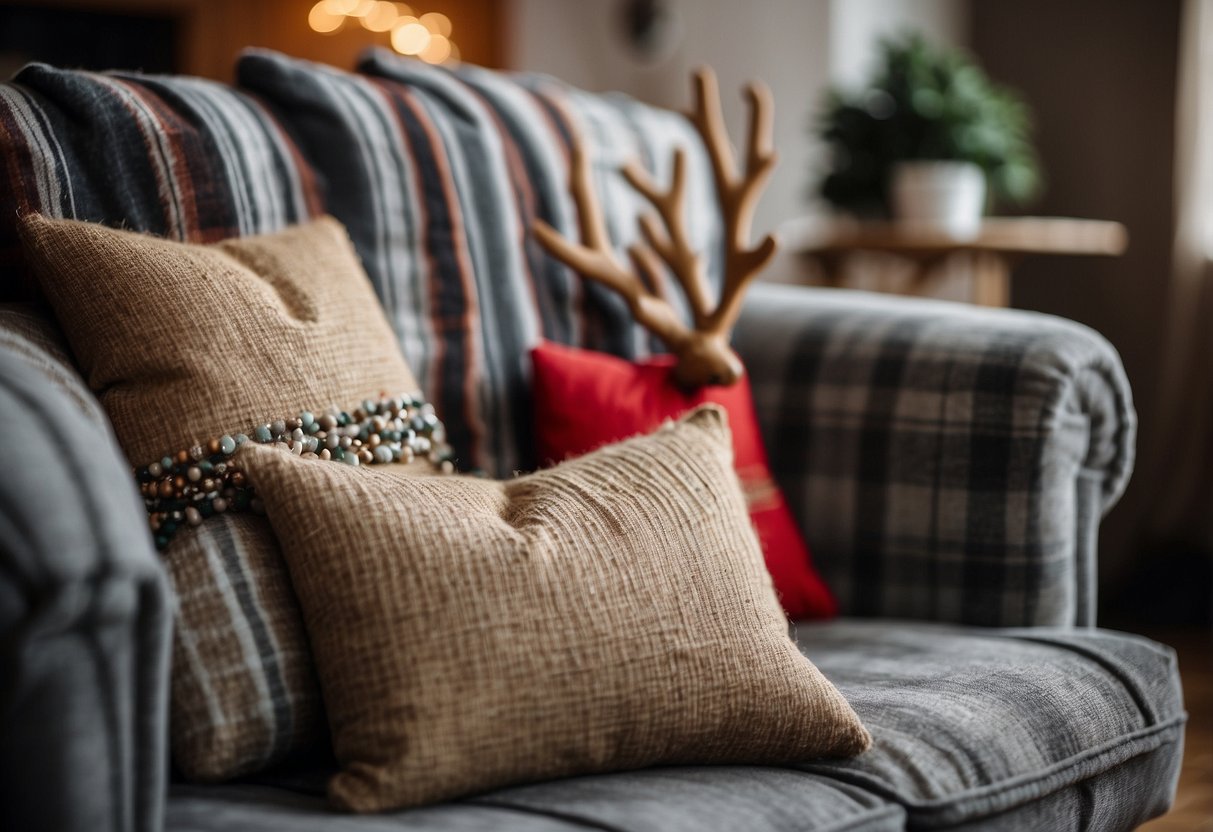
[[991, 279]]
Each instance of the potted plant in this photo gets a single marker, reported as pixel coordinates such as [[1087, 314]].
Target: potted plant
[[925, 140]]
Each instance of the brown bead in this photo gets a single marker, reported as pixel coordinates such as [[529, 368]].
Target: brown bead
[[178, 482], [237, 479], [182, 457], [212, 447], [166, 489]]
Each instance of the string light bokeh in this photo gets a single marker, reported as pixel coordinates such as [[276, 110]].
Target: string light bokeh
[[426, 36]]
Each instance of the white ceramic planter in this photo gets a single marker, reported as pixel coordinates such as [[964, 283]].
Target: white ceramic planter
[[940, 197]]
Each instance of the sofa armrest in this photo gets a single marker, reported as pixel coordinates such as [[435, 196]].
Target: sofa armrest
[[85, 615], [945, 462]]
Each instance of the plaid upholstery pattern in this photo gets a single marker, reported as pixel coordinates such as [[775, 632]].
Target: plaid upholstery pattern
[[178, 157], [945, 463], [438, 176]]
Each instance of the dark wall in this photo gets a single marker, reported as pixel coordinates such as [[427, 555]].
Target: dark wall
[[85, 38], [1101, 78]]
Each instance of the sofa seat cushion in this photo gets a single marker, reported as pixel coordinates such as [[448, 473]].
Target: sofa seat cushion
[[972, 729], [680, 799], [970, 724]]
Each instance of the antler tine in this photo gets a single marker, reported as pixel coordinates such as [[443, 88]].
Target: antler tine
[[594, 258], [738, 193], [709, 121], [672, 244]]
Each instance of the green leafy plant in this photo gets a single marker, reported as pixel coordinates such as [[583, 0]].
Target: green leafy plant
[[927, 103]]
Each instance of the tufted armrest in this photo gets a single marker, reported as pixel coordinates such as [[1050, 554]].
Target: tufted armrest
[[945, 462], [84, 609]]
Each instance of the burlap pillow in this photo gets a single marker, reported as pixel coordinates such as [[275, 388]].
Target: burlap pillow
[[610, 613], [182, 344]]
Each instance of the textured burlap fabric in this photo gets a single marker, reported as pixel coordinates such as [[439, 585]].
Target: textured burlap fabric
[[610, 613], [182, 343]]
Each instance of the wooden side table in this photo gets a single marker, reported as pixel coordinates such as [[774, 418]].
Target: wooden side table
[[993, 252]]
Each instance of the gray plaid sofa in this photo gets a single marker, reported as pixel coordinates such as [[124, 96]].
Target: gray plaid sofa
[[950, 467]]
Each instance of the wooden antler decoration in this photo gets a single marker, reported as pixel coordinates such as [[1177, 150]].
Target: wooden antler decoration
[[703, 352]]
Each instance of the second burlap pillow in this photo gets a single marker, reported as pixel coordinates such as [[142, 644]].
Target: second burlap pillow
[[612, 612]]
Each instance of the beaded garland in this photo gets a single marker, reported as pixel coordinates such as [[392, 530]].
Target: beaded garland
[[193, 484]]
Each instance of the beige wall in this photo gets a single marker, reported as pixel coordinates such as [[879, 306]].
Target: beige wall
[[1101, 78], [856, 27]]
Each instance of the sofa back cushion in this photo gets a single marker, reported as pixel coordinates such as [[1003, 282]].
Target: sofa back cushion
[[183, 158], [438, 175]]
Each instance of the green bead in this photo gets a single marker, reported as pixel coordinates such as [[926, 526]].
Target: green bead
[[227, 445], [262, 434]]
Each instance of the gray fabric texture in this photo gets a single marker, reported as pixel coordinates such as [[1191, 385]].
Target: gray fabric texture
[[725, 798], [1120, 799], [85, 616], [945, 463], [31, 335], [968, 724], [973, 728]]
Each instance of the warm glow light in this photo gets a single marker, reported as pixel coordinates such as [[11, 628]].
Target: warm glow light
[[438, 23], [427, 37], [410, 37], [437, 50], [382, 17], [322, 20]]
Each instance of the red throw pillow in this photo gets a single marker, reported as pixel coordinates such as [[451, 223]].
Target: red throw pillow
[[584, 400]]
